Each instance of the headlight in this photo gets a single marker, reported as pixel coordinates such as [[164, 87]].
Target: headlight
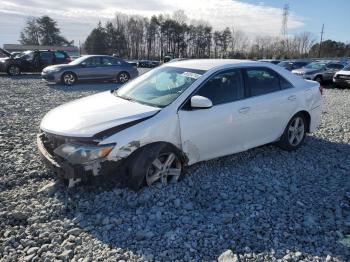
[[53, 70], [81, 154]]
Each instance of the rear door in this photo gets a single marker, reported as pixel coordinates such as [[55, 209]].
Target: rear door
[[46, 59], [270, 102], [111, 67]]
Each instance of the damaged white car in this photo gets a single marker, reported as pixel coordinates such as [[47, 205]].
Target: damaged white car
[[181, 113]]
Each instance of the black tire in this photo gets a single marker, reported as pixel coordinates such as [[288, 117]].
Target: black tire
[[140, 164], [69, 78], [13, 70], [285, 140], [319, 79], [123, 77]]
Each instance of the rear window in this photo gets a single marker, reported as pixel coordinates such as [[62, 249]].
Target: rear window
[[262, 81], [335, 66]]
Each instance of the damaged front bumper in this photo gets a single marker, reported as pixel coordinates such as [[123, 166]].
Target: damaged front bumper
[[75, 172]]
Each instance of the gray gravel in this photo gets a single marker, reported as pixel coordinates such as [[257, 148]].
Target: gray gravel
[[260, 205]]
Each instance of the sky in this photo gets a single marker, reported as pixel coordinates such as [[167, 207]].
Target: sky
[[76, 18]]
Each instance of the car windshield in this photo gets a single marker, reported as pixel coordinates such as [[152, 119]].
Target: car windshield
[[78, 60], [159, 87], [315, 66]]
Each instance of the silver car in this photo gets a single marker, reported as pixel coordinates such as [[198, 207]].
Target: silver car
[[319, 71], [91, 67]]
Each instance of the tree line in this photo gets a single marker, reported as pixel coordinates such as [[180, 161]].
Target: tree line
[[138, 37]]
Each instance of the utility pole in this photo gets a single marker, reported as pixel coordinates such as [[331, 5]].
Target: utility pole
[[285, 15], [320, 46]]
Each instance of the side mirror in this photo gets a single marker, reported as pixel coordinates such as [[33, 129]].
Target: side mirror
[[201, 102]]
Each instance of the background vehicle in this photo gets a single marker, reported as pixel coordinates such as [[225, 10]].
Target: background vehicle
[[272, 61], [91, 67], [293, 64], [4, 53], [342, 77], [319, 71], [32, 61], [147, 63], [158, 123]]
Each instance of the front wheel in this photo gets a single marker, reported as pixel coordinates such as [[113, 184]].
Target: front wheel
[[14, 70], [123, 77], [294, 134], [157, 163], [69, 79]]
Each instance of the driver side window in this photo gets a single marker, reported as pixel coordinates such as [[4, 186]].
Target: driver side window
[[223, 88], [92, 61]]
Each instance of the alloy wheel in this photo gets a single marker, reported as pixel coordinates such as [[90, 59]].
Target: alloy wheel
[[296, 131], [123, 78], [69, 79], [166, 168]]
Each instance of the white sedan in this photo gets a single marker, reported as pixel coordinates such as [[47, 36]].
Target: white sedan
[[178, 114]]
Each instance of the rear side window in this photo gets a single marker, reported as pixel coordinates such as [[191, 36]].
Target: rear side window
[[93, 61], [60, 55], [223, 88], [284, 83], [110, 61], [261, 81], [47, 56]]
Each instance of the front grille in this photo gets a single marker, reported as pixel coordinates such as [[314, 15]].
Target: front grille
[[339, 76]]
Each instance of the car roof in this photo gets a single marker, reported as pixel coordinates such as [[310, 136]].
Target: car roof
[[207, 64]]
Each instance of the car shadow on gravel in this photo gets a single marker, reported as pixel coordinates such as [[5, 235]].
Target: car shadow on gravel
[[264, 200]]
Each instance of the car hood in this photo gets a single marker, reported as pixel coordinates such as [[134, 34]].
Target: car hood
[[60, 66], [88, 116], [343, 72], [306, 71]]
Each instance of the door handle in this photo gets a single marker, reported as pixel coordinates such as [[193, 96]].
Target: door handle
[[244, 110], [292, 98]]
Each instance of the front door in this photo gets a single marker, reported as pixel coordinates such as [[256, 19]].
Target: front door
[[213, 132]]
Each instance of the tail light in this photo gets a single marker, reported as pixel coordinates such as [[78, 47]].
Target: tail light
[[321, 89]]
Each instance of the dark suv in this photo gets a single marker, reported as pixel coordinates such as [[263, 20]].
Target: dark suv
[[32, 61]]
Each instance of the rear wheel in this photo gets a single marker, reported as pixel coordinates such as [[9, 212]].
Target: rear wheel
[[294, 134], [156, 163], [69, 79], [123, 77], [13, 70]]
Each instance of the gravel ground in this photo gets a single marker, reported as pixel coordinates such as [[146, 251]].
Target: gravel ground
[[261, 205]]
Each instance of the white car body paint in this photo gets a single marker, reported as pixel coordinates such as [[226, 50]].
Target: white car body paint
[[200, 134]]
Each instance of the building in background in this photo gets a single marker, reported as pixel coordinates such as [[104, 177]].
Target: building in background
[[72, 51]]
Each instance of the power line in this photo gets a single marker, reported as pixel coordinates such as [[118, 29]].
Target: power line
[[320, 46]]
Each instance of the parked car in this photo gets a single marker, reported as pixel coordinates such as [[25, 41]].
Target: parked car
[[176, 115], [319, 71], [132, 62], [32, 61], [147, 63], [272, 61], [90, 67], [342, 77], [293, 64]]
